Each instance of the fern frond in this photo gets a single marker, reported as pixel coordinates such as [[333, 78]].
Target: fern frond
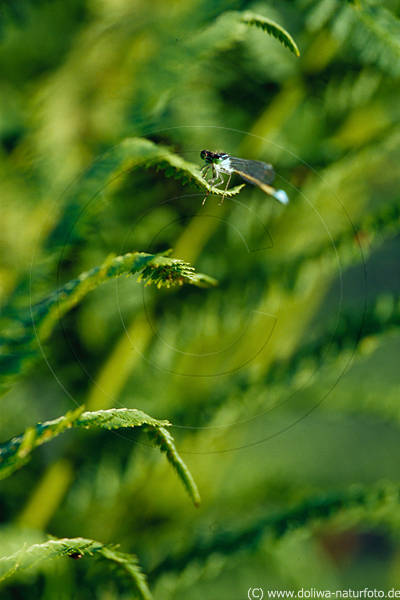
[[273, 29], [229, 28], [77, 548], [163, 271], [164, 440], [18, 346], [118, 418], [139, 151], [134, 152], [120, 161], [15, 453]]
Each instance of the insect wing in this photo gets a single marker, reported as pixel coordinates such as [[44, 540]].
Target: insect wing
[[263, 186], [255, 169]]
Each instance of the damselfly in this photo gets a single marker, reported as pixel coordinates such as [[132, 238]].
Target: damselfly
[[254, 171]]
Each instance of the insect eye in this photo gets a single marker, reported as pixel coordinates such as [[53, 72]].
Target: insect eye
[[203, 154]]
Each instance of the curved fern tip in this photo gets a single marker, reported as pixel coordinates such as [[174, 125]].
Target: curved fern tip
[[273, 29]]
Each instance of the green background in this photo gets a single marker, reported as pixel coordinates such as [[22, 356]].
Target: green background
[[282, 382]]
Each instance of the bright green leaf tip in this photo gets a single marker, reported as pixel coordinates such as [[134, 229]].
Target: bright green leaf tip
[[272, 28]]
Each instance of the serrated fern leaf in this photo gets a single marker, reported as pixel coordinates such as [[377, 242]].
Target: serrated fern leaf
[[119, 161], [228, 28], [162, 271], [165, 272], [273, 29], [117, 418], [77, 548], [18, 345], [164, 440], [134, 152], [15, 453]]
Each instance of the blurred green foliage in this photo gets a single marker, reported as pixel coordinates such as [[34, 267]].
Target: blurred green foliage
[[281, 382]]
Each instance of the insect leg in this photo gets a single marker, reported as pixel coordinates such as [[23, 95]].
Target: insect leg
[[213, 183], [210, 183], [218, 181], [204, 170], [226, 187]]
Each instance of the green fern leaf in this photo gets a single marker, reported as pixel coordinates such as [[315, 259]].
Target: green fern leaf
[[135, 152], [118, 163], [18, 346], [160, 270], [15, 453], [228, 29], [118, 418], [164, 440], [76, 548], [273, 29]]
